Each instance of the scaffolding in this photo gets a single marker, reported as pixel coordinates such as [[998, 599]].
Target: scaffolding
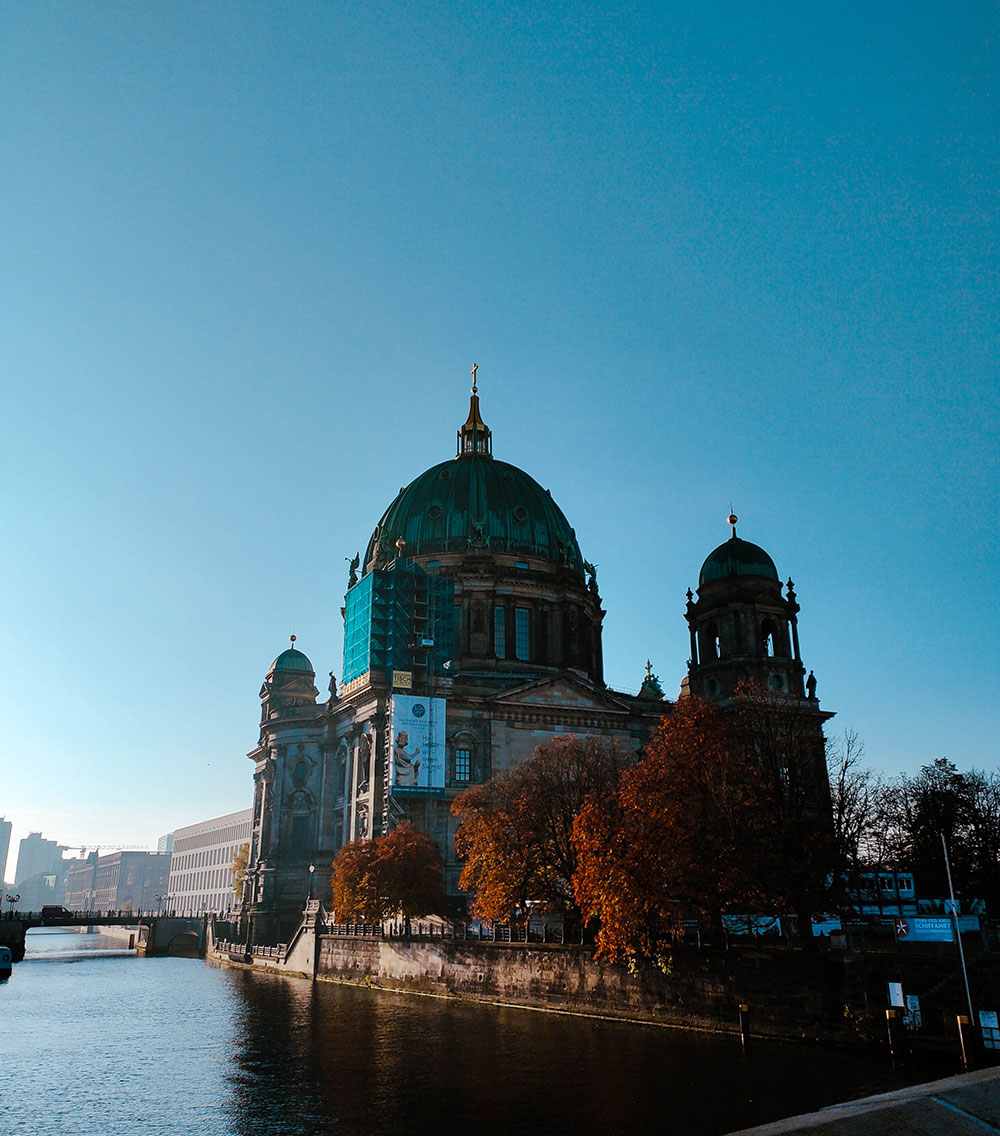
[[399, 618]]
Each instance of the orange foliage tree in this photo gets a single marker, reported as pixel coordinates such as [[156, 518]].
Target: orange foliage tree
[[686, 835], [515, 830], [397, 874]]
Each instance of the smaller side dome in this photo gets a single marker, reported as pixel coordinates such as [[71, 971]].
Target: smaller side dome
[[737, 557], [292, 660]]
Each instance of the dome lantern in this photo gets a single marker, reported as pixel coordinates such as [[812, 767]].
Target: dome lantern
[[475, 437]]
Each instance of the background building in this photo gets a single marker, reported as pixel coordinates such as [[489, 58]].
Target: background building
[[129, 881], [201, 876], [37, 856], [5, 831], [472, 634], [80, 880]]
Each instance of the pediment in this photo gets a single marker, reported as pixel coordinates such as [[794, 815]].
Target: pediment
[[565, 692]]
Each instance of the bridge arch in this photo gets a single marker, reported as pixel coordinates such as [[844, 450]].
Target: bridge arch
[[186, 944]]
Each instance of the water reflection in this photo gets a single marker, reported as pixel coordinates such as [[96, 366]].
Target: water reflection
[[373, 1062], [119, 1044]]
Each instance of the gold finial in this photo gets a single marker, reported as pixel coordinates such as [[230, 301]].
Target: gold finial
[[649, 669], [732, 519], [291, 639], [475, 368]]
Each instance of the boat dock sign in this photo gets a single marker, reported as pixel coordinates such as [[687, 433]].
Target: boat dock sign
[[924, 930]]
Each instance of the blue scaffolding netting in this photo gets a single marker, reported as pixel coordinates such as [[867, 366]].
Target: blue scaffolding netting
[[399, 618]]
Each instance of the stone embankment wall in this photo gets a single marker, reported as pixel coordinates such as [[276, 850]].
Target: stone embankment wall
[[791, 993]]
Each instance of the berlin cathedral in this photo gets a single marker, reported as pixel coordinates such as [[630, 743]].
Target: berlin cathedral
[[472, 634]]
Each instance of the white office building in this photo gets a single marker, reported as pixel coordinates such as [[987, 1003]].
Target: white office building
[[201, 877]]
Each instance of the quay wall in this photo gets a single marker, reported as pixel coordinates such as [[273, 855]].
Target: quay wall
[[823, 995], [793, 996]]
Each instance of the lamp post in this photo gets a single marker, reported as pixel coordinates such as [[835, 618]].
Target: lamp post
[[312, 877], [159, 902], [958, 932], [12, 899]]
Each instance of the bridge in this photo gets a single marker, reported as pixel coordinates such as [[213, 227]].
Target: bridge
[[158, 934]]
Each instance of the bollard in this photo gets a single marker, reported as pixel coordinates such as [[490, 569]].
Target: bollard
[[894, 1025], [744, 1025], [965, 1040]]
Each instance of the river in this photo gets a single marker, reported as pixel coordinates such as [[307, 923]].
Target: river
[[96, 1042]]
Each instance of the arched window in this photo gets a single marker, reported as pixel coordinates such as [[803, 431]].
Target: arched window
[[710, 642], [463, 759], [463, 763], [769, 638]]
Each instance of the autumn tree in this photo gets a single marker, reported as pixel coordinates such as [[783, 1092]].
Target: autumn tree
[[238, 869], [686, 834], [397, 874], [355, 884], [409, 871], [515, 830]]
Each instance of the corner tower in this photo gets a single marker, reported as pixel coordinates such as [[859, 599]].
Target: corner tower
[[286, 836], [742, 627]]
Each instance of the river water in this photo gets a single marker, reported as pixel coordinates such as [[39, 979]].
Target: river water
[[96, 1042]]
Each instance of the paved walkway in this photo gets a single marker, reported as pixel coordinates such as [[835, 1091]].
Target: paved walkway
[[968, 1105]]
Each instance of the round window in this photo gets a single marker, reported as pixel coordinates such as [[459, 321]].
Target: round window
[[520, 514], [434, 512]]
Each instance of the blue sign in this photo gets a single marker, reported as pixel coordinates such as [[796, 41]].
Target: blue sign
[[924, 930]]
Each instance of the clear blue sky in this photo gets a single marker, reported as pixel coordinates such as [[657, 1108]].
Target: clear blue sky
[[702, 252]]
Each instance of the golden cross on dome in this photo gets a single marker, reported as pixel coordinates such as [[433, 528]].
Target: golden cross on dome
[[475, 368], [649, 669]]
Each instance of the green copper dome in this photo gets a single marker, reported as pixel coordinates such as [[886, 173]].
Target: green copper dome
[[292, 660], [475, 502], [737, 558]]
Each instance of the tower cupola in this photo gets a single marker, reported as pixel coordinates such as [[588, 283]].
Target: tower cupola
[[475, 437], [289, 686], [742, 627]]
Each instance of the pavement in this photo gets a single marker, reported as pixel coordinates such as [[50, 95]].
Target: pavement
[[967, 1105]]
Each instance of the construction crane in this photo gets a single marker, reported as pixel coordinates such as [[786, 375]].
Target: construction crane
[[85, 848]]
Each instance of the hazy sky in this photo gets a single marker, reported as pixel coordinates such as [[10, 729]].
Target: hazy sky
[[702, 253]]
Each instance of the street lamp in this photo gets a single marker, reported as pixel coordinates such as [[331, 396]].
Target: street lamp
[[312, 877], [159, 902], [12, 899]]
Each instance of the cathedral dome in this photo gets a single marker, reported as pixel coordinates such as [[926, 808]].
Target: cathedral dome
[[737, 558], [292, 660], [475, 502]]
